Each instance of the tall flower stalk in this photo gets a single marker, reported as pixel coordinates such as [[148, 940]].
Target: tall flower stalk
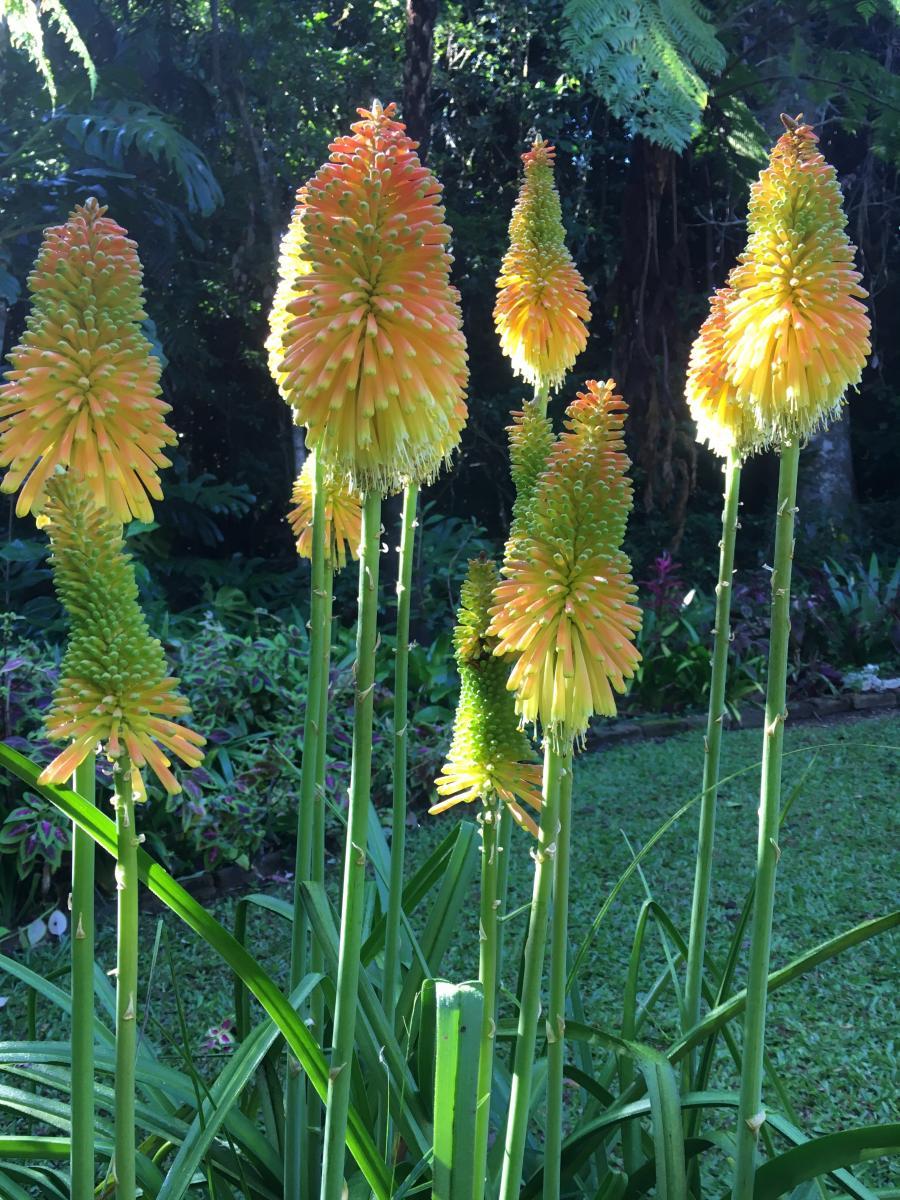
[[541, 318], [795, 336], [326, 520], [353, 894], [731, 430], [113, 690], [490, 760], [374, 365], [126, 978], [401, 748], [82, 1171], [564, 613], [712, 746], [298, 1143]]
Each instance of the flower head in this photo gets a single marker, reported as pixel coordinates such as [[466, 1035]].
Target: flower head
[[723, 422], [374, 357], [113, 685], [343, 517], [565, 606], [83, 392], [292, 265], [792, 334], [489, 755], [542, 310]]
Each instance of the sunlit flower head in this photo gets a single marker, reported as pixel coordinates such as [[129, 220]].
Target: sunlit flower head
[[542, 309], [565, 607], [292, 265], [343, 517], [795, 334], [489, 756], [83, 392], [374, 357], [724, 423], [113, 685]]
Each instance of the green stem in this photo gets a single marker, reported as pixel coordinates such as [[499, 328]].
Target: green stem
[[82, 1153], [542, 396], [296, 1117], [750, 1109], [489, 934], [126, 979], [401, 747], [556, 1015], [530, 999], [353, 899], [317, 875], [712, 749], [504, 849]]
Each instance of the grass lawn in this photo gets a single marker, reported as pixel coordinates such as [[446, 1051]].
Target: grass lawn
[[833, 1034]]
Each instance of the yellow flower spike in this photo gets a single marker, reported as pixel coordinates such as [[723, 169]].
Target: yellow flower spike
[[565, 607], [542, 309], [489, 755], [795, 334], [292, 265], [723, 422], [113, 687], [83, 392], [374, 357], [343, 518]]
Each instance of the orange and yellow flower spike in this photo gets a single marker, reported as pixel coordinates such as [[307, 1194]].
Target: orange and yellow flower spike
[[343, 518], [489, 755], [565, 608], [83, 392], [374, 357], [113, 685], [542, 309], [795, 334]]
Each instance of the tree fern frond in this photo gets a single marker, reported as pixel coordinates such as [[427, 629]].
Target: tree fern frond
[[23, 19], [69, 30]]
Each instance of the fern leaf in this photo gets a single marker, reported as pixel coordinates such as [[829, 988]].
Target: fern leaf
[[23, 19]]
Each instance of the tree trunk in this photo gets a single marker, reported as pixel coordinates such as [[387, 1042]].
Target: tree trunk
[[648, 359], [420, 19], [827, 488]]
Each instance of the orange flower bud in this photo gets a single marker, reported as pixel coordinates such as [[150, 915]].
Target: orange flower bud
[[83, 392], [542, 309]]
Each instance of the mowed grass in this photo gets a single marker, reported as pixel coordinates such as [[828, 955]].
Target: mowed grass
[[832, 1034]]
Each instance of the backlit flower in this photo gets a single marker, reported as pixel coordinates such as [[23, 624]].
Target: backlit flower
[[113, 685], [723, 422], [374, 357], [542, 309], [83, 392], [343, 517], [292, 265], [794, 333], [490, 755], [565, 606]]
